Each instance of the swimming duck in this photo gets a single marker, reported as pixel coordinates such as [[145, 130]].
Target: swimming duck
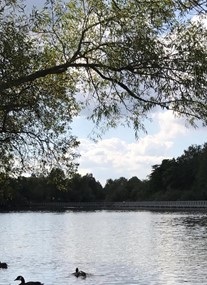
[[3, 265], [20, 278], [79, 273]]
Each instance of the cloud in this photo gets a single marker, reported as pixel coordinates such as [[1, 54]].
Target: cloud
[[115, 157]]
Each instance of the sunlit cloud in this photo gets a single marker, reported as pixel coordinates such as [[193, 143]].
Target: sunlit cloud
[[115, 157]]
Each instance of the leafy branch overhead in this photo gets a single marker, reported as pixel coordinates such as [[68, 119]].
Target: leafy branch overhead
[[120, 58]]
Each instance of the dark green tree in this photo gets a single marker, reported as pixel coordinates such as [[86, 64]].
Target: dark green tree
[[116, 190], [188, 166], [200, 183]]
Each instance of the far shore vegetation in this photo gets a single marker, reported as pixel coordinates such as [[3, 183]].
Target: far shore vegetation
[[183, 178]]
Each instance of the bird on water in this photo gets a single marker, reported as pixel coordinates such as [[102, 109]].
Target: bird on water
[[3, 265], [79, 273], [20, 278]]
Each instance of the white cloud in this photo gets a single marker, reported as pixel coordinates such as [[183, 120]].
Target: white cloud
[[115, 157]]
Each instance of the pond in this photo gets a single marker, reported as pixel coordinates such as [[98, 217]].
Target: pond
[[114, 247]]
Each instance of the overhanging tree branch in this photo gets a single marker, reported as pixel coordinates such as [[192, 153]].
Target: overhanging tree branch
[[133, 54]]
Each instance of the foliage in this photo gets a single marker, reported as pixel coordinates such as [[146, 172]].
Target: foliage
[[116, 189], [183, 178], [119, 59], [34, 117], [48, 188]]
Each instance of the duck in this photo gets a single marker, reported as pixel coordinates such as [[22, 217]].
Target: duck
[[79, 273], [3, 265], [20, 278]]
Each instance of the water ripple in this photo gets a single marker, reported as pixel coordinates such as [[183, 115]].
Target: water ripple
[[120, 248]]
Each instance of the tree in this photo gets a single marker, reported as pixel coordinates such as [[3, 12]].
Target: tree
[[183, 178], [7, 192], [188, 164], [200, 185], [116, 190], [121, 58], [57, 179], [134, 185], [85, 189], [35, 116]]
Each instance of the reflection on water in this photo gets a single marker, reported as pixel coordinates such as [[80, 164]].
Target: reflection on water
[[126, 248]]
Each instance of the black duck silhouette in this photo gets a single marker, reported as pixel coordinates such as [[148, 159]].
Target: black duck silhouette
[[3, 265], [79, 273], [20, 278]]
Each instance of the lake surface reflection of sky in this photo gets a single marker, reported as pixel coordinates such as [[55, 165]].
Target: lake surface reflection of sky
[[135, 247]]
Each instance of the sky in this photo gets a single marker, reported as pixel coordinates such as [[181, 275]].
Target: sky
[[119, 154]]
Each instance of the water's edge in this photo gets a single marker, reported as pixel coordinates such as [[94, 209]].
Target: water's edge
[[139, 205]]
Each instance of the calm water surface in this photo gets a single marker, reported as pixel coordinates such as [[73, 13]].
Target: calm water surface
[[136, 247]]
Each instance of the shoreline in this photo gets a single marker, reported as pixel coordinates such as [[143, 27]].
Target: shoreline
[[122, 206]]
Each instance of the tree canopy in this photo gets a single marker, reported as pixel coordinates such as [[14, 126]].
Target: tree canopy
[[178, 179], [119, 58]]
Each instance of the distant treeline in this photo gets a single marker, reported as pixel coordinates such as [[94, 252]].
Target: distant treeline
[[184, 178]]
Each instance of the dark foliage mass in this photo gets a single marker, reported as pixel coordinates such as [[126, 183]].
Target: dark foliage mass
[[183, 178]]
